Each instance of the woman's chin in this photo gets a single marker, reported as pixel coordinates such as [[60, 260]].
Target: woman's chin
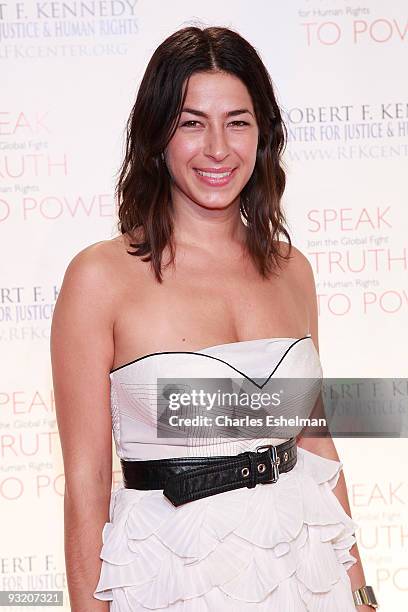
[[215, 203]]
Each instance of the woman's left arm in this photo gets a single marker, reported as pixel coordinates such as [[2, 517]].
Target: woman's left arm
[[324, 446]]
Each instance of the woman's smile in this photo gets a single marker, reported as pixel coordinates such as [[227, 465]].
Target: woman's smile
[[214, 177]]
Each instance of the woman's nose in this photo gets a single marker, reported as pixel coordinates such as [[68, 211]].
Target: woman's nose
[[216, 143]]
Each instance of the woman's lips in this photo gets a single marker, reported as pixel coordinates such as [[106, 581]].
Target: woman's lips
[[214, 178]]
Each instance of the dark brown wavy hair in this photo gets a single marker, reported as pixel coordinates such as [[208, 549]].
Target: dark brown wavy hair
[[143, 186]]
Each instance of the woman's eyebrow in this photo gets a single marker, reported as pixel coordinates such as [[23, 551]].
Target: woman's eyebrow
[[233, 113]]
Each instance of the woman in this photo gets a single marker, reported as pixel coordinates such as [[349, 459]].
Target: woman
[[198, 264]]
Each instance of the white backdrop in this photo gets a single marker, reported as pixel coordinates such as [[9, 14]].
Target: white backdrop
[[72, 70]]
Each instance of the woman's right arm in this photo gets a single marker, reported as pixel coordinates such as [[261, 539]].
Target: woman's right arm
[[81, 356]]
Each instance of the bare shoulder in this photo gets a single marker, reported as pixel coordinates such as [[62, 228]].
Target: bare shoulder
[[299, 276], [96, 266], [95, 259], [102, 273], [85, 285], [298, 268], [85, 308]]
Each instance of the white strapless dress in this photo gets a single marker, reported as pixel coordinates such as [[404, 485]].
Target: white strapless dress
[[281, 547]]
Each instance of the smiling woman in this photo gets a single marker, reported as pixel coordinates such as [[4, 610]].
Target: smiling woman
[[220, 133], [242, 521], [213, 104]]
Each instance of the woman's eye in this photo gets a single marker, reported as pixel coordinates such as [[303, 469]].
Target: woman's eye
[[193, 123]]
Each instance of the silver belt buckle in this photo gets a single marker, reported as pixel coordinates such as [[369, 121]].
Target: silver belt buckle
[[275, 460]]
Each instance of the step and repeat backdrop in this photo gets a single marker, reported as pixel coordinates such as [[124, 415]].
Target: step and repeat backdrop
[[70, 72]]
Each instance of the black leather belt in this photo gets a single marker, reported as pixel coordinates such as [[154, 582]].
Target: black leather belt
[[184, 479]]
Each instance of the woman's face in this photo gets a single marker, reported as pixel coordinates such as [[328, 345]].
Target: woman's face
[[213, 151]]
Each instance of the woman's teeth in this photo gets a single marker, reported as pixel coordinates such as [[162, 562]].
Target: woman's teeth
[[214, 174]]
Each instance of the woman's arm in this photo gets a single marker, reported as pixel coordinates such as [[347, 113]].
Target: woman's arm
[[324, 446], [81, 356]]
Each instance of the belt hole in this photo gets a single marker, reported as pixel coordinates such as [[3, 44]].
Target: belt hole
[[245, 472], [261, 468], [285, 456]]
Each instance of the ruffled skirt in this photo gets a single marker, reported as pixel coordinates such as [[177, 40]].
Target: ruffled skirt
[[283, 546]]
